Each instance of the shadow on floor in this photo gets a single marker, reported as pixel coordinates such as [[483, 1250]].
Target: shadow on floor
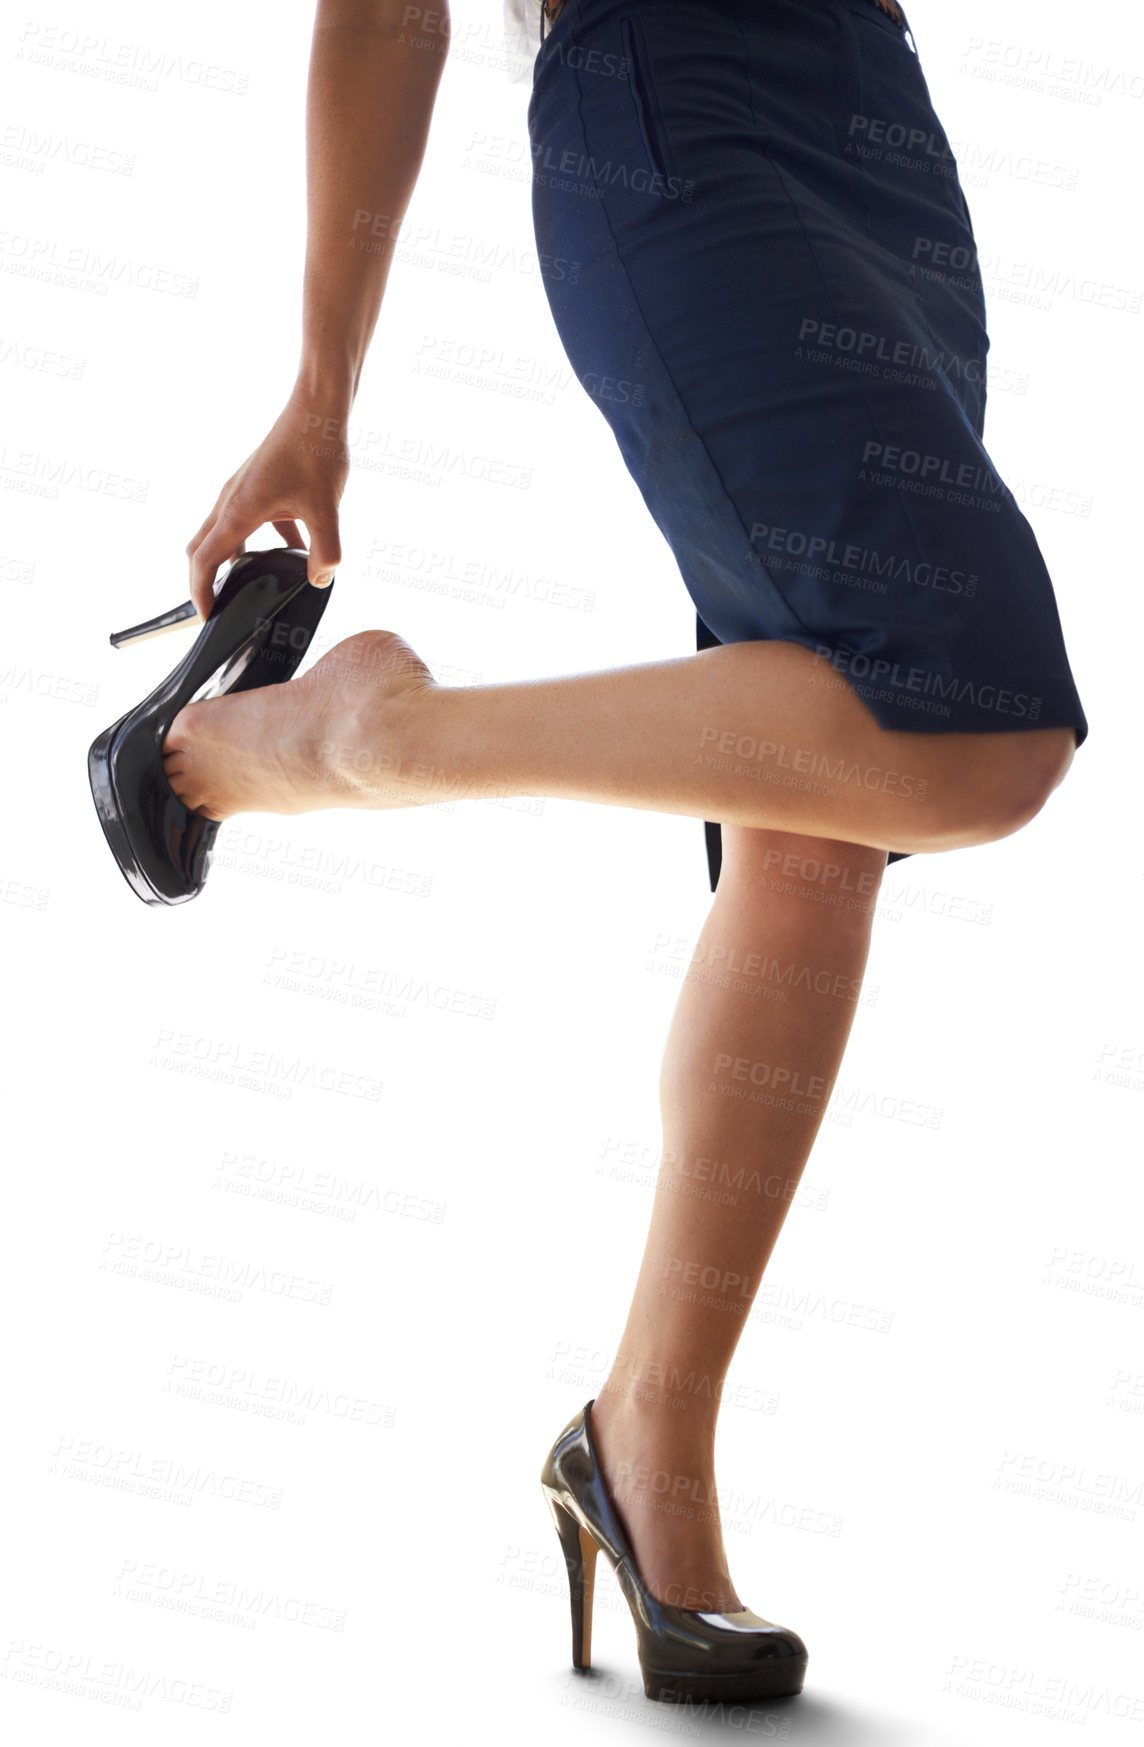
[[805, 1721]]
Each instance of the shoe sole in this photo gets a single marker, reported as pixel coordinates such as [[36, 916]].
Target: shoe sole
[[785, 1680], [109, 811], [109, 808]]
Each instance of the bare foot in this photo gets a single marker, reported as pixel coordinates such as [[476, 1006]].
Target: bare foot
[[336, 736], [661, 1476]]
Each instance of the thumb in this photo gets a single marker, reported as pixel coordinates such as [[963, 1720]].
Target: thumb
[[325, 553]]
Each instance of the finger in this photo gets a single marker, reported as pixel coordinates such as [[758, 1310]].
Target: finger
[[325, 550], [223, 542], [204, 526], [291, 533]]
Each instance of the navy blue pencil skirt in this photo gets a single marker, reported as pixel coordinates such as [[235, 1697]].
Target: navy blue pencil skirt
[[767, 281]]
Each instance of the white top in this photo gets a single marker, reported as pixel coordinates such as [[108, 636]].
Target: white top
[[521, 37]]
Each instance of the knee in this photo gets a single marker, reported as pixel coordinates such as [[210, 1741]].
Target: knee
[[1003, 789], [1044, 766]]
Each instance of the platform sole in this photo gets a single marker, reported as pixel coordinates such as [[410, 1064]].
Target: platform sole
[[784, 1680], [110, 815]]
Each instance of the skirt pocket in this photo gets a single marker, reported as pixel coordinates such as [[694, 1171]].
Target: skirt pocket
[[641, 85]]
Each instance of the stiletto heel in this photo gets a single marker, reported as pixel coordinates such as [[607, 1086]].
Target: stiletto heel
[[153, 627], [580, 1550], [684, 1653], [260, 626]]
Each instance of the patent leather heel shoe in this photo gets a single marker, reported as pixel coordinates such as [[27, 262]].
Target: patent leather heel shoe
[[259, 628], [684, 1654]]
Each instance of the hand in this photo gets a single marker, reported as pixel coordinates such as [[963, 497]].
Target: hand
[[297, 470]]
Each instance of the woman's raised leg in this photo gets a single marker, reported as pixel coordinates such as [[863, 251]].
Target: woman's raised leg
[[762, 734]]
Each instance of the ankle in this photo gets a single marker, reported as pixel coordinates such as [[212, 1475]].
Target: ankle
[[640, 1403], [446, 731]]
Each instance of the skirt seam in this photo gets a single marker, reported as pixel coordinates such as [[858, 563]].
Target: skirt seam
[[875, 427], [669, 376]]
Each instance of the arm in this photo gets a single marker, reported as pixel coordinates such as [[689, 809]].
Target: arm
[[369, 105]]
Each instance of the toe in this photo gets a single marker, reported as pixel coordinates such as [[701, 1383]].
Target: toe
[[179, 734]]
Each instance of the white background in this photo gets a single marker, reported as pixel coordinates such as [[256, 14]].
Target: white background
[[435, 1271]]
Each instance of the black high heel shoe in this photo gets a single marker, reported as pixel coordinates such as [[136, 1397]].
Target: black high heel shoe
[[684, 1653], [259, 628]]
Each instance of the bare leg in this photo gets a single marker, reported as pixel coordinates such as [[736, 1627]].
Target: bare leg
[[762, 734], [367, 726], [654, 1419]]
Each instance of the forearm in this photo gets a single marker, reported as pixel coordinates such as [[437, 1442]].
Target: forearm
[[368, 108]]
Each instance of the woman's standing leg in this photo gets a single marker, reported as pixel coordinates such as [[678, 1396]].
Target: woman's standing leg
[[744, 1085]]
